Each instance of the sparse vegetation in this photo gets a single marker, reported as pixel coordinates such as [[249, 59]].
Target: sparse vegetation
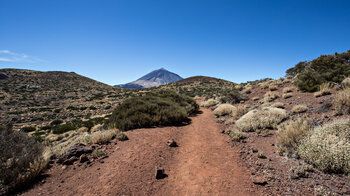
[[267, 117], [21, 159], [328, 147]]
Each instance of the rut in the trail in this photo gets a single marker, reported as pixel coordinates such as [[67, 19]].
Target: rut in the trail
[[204, 163]]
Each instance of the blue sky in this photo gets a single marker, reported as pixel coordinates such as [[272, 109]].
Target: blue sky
[[118, 41]]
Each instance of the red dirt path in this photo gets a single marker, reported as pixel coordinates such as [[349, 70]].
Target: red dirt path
[[203, 164]]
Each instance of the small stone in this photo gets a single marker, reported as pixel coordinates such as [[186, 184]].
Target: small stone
[[259, 181], [172, 143], [160, 173]]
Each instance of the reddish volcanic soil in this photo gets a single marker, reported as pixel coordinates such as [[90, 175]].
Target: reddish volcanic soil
[[204, 163]]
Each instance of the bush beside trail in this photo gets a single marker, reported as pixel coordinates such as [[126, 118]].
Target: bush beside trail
[[154, 109]]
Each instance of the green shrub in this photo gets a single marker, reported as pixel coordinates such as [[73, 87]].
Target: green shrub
[[326, 68], [63, 128], [21, 159], [28, 129], [56, 122], [308, 81], [267, 117], [232, 96], [161, 109], [328, 147]]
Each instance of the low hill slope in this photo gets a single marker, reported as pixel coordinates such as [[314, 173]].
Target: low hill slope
[[33, 97], [201, 86]]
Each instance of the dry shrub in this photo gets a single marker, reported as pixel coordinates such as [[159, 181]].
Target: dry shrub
[[287, 90], [239, 87], [237, 136], [325, 89], [95, 128], [287, 95], [60, 147], [209, 103], [255, 98], [103, 136], [247, 90], [299, 109], [346, 83], [342, 102], [272, 87], [270, 96], [328, 147], [21, 159], [224, 109], [290, 135], [267, 117], [239, 111], [278, 105]]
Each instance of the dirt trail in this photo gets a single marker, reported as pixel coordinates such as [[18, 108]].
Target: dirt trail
[[203, 164]]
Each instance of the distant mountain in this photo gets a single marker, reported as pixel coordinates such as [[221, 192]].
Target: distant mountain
[[155, 78]]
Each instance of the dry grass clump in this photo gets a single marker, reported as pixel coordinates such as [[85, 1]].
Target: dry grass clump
[[287, 90], [287, 95], [237, 136], [325, 89], [270, 96], [346, 83], [267, 117], [224, 109], [247, 89], [121, 136], [328, 147], [239, 87], [278, 105], [239, 111], [342, 102], [290, 135], [95, 128], [21, 159], [299, 109], [103, 136], [255, 98], [273, 87], [209, 103]]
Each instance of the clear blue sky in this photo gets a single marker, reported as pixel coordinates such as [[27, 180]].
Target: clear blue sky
[[118, 41]]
